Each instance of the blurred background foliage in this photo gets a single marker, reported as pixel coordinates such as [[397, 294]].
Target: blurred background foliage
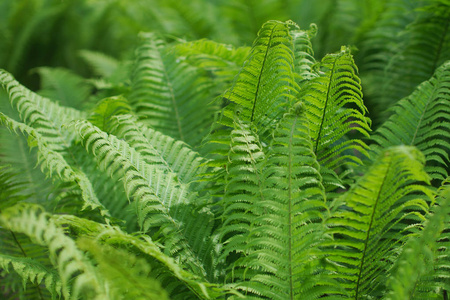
[[389, 38]]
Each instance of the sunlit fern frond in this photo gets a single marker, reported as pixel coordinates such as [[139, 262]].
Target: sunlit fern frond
[[304, 53], [262, 90], [422, 119], [334, 107], [46, 116], [168, 94], [375, 217]]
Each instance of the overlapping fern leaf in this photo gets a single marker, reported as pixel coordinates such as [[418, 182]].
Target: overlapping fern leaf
[[421, 120], [374, 218]]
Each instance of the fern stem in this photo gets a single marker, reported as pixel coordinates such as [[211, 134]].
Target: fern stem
[[262, 70], [368, 231], [25, 255], [291, 285], [421, 118], [325, 107]]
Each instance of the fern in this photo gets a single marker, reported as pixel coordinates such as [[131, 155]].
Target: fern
[[70, 261], [160, 202], [209, 171], [276, 214], [334, 107], [420, 258], [163, 88], [419, 120], [374, 217]]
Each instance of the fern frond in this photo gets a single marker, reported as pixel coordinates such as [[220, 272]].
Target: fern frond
[[430, 32], [54, 164], [304, 54], [375, 217], [102, 64], [13, 188], [169, 95], [334, 107], [420, 258], [127, 276], [281, 249], [141, 244], [259, 91], [223, 61], [422, 120], [163, 206], [77, 274], [243, 188], [33, 271], [41, 113], [160, 150], [107, 108]]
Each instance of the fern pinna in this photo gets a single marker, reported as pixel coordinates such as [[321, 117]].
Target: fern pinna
[[168, 187]]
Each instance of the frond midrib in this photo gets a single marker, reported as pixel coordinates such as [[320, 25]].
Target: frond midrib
[[369, 229], [291, 284], [261, 72], [16, 241], [325, 107], [424, 111]]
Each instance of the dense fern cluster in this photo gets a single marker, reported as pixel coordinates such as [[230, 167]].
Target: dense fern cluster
[[204, 171]]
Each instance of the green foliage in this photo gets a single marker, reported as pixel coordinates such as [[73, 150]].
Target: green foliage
[[201, 170]]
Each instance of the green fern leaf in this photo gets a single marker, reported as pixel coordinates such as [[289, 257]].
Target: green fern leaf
[[430, 32], [159, 150], [54, 164], [304, 54], [334, 107], [128, 276], [223, 61], [169, 95], [143, 244], [77, 274], [259, 91], [162, 206], [102, 65], [421, 256], [68, 88], [422, 120], [33, 271], [373, 219]]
